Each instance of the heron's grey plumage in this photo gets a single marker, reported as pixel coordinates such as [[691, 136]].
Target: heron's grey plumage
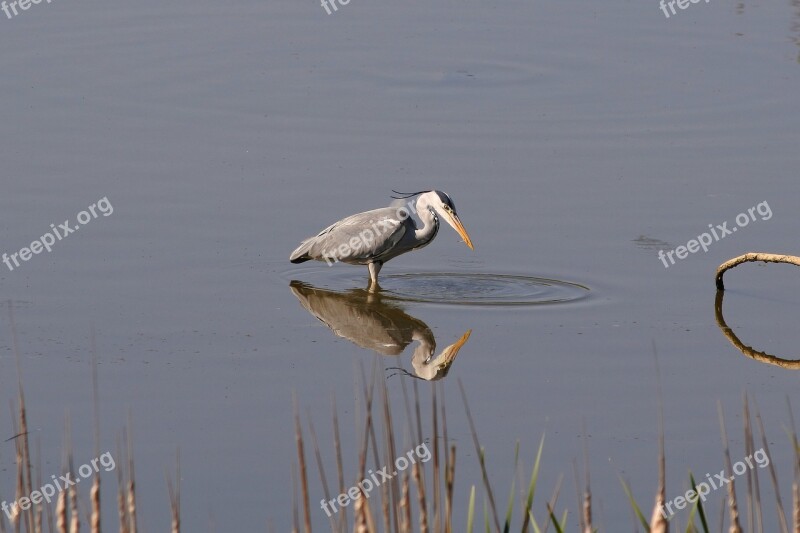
[[374, 237], [373, 233]]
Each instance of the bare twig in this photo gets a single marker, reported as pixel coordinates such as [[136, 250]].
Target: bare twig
[[302, 461], [753, 257]]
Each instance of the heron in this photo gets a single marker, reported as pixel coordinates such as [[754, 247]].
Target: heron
[[373, 237]]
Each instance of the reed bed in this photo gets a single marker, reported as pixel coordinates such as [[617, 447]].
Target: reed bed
[[423, 500], [63, 515], [422, 497]]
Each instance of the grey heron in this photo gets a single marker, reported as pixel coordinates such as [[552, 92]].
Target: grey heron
[[374, 237]]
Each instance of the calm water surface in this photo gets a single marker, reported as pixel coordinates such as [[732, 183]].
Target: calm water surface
[[577, 139]]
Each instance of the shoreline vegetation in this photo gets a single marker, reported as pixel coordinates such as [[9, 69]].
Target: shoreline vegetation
[[422, 499], [29, 514], [419, 496]]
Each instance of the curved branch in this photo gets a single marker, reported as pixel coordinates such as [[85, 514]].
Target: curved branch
[[751, 257], [749, 351]]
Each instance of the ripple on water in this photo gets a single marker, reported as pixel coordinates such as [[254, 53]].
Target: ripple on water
[[480, 289]]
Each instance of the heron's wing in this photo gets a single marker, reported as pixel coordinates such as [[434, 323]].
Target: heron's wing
[[312, 247], [360, 237]]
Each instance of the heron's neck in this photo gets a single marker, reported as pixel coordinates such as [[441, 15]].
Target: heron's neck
[[430, 225], [421, 358], [424, 350]]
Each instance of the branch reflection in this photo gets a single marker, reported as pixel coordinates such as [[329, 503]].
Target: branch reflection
[[762, 357]]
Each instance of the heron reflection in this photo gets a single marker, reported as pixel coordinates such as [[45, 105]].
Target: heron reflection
[[370, 321], [750, 352]]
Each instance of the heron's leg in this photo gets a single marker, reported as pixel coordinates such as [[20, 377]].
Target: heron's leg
[[374, 268]]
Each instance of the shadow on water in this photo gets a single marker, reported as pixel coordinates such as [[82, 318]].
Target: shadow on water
[[364, 318], [762, 357]]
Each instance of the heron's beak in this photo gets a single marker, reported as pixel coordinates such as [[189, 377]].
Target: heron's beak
[[449, 354], [438, 367], [454, 221]]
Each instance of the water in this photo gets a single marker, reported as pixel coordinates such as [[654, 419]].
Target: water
[[576, 139], [464, 288]]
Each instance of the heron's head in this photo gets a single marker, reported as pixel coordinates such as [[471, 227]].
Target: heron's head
[[439, 204], [443, 206]]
